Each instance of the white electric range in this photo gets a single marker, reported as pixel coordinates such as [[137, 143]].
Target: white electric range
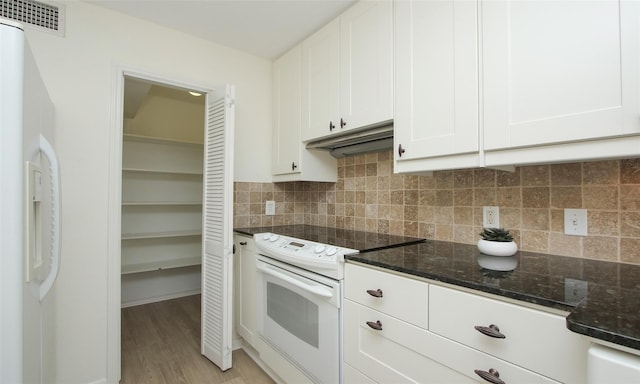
[[299, 299], [300, 292]]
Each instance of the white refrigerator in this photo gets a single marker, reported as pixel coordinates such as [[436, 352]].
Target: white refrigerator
[[29, 215]]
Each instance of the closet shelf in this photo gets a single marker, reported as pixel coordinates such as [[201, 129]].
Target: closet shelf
[[166, 171], [160, 265], [159, 140], [158, 235], [152, 203]]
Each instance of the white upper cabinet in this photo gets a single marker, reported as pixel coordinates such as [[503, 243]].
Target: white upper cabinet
[[291, 161], [436, 80], [286, 96], [321, 82], [366, 64], [556, 73], [347, 69]]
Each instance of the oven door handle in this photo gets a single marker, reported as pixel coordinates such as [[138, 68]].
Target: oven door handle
[[315, 289]]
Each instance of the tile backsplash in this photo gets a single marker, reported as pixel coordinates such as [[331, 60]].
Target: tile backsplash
[[447, 205]]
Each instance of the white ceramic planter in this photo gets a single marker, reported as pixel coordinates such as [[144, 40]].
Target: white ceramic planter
[[497, 248]]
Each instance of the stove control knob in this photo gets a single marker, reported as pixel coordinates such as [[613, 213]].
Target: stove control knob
[[319, 248], [266, 236], [331, 251], [273, 238]]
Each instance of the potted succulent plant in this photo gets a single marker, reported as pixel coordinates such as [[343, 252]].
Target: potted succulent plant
[[497, 242]]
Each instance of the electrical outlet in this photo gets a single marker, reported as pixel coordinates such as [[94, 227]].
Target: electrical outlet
[[491, 217], [270, 207], [575, 222], [575, 290]]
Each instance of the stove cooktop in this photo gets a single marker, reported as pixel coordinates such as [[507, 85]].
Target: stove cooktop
[[359, 240]]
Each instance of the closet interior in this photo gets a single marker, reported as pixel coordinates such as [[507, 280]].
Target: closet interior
[[162, 157]]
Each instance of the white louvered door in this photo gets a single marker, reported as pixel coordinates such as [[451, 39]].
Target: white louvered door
[[217, 259]]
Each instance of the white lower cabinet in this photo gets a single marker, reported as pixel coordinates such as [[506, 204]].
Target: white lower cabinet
[[398, 353], [245, 288], [382, 343], [610, 365], [533, 339], [353, 376]]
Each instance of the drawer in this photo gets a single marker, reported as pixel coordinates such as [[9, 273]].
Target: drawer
[[536, 340], [404, 353], [353, 376], [402, 297]]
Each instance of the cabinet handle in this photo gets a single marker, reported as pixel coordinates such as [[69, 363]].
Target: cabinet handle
[[342, 123], [400, 150], [491, 331], [293, 166], [243, 243], [492, 376], [375, 292], [377, 325], [331, 126]]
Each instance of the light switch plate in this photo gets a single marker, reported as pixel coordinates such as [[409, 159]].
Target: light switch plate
[[270, 207], [575, 222]]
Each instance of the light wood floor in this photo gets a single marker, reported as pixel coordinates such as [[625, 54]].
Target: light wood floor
[[161, 344]]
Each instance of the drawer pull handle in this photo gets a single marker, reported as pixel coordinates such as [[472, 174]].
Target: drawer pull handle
[[243, 243], [375, 292], [491, 331], [377, 325], [492, 376]]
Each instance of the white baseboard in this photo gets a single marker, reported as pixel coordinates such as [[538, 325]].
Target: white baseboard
[[237, 343]]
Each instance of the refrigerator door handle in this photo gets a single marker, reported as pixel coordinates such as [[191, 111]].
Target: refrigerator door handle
[[48, 151]]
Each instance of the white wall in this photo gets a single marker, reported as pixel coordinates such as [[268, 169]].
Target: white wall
[[79, 73]]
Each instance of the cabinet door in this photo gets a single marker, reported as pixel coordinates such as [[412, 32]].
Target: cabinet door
[[245, 285], [436, 84], [287, 92], [321, 82], [558, 71], [366, 69]]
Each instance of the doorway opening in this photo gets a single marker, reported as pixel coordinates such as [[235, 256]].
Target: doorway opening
[[138, 86], [170, 206], [161, 223]]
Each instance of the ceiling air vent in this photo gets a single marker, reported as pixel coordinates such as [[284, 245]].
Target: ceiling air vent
[[48, 17]]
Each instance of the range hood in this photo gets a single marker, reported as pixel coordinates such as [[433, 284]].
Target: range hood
[[367, 140]]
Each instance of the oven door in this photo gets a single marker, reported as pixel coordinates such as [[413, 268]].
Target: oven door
[[299, 315]]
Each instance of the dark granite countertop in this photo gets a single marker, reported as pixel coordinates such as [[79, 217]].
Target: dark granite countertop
[[609, 311], [359, 240]]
